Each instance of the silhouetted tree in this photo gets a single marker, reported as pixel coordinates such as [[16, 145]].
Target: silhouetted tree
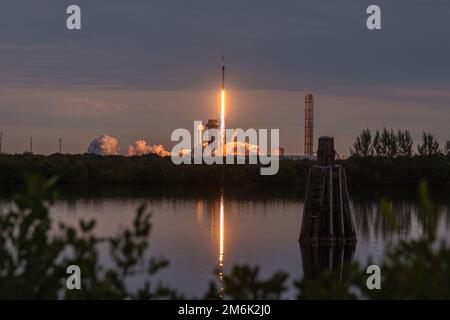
[[405, 143], [447, 148], [376, 144], [363, 144], [389, 142], [429, 145]]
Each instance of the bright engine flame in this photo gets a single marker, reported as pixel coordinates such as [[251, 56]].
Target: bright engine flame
[[222, 118]]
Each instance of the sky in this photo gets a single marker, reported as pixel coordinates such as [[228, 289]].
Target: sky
[[140, 69]]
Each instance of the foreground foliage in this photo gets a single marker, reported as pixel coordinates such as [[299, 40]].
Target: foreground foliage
[[35, 252]]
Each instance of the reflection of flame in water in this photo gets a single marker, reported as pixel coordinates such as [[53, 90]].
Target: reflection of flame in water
[[221, 232], [214, 208], [221, 241]]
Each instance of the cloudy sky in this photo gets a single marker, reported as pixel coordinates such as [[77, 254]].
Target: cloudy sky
[[140, 69]]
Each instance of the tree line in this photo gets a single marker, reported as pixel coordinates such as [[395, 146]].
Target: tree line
[[145, 169], [390, 143]]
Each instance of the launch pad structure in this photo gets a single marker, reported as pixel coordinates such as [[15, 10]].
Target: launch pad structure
[[309, 123]]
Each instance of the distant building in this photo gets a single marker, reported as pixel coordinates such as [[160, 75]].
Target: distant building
[[309, 123]]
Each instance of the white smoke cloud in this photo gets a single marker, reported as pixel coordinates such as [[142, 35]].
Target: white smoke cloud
[[104, 146], [140, 147]]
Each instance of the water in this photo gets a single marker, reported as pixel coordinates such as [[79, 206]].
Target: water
[[202, 231]]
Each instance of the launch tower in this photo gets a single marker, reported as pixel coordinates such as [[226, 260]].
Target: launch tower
[[309, 123]]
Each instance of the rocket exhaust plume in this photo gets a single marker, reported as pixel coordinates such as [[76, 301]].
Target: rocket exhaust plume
[[222, 107], [140, 147], [107, 146], [104, 146]]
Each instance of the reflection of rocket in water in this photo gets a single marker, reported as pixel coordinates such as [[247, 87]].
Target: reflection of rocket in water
[[221, 242], [215, 209]]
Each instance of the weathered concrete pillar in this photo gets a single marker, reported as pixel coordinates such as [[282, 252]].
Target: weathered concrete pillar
[[326, 215], [325, 153]]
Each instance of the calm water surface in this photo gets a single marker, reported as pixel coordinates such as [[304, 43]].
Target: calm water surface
[[203, 231]]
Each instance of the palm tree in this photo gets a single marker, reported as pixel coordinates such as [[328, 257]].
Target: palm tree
[[429, 145], [376, 144], [405, 143], [389, 145], [363, 144]]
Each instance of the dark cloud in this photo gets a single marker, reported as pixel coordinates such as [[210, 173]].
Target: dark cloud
[[268, 44]]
